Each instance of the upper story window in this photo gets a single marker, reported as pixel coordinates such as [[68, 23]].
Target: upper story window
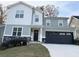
[[17, 31], [48, 22], [19, 14], [60, 23], [36, 18]]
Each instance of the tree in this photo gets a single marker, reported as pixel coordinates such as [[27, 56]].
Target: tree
[[2, 14], [49, 10]]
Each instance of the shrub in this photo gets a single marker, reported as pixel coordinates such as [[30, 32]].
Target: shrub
[[76, 41], [13, 42]]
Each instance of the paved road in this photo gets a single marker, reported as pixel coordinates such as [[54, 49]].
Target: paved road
[[62, 50]]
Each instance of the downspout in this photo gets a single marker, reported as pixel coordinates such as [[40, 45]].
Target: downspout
[[31, 23], [32, 15]]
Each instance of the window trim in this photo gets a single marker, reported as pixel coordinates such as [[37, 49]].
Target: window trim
[[19, 12], [17, 32], [36, 17]]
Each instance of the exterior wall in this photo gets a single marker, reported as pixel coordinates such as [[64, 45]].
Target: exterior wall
[[1, 33], [43, 32], [54, 22], [25, 30], [19, 21], [40, 35], [40, 18], [75, 24]]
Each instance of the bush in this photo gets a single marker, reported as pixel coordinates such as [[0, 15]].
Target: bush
[[76, 41], [12, 43]]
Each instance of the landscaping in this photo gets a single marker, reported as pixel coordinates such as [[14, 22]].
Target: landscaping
[[31, 50]]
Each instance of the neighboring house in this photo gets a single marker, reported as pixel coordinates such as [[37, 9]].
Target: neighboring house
[[28, 22], [74, 22]]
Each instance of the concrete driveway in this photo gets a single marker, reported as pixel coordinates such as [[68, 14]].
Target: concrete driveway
[[62, 50]]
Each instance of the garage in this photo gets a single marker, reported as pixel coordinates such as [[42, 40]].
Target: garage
[[59, 37]]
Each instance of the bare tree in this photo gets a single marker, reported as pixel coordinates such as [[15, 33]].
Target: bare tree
[[2, 14], [49, 10]]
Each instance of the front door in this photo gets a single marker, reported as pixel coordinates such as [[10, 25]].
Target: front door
[[35, 35]]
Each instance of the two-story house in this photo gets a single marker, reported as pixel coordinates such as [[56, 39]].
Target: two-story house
[[28, 22]]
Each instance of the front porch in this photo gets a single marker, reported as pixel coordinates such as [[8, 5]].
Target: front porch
[[36, 34]]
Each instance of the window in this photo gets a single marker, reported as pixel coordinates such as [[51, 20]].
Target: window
[[60, 23], [61, 33], [17, 31], [36, 18], [68, 33], [48, 22], [19, 14]]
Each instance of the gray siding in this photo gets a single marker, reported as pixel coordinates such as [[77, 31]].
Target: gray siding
[[65, 23], [26, 30], [54, 21], [9, 29]]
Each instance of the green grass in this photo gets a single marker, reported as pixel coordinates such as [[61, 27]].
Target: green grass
[[32, 50]]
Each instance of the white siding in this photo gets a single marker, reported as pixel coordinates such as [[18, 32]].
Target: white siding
[[19, 21]]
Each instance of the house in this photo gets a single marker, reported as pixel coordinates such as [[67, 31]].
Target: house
[[28, 22], [57, 30], [74, 22]]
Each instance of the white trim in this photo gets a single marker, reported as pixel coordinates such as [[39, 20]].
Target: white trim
[[17, 27], [25, 35], [4, 33], [32, 36]]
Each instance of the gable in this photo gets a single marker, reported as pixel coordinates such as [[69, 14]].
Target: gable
[[18, 3], [22, 3], [74, 22]]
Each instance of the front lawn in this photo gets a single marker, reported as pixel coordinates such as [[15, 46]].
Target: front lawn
[[32, 50]]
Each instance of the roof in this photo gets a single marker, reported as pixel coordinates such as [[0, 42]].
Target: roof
[[20, 2], [56, 18], [77, 17]]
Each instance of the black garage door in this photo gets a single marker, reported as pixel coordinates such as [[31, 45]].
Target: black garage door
[[59, 37]]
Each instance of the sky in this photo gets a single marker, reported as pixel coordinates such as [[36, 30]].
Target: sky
[[66, 8]]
